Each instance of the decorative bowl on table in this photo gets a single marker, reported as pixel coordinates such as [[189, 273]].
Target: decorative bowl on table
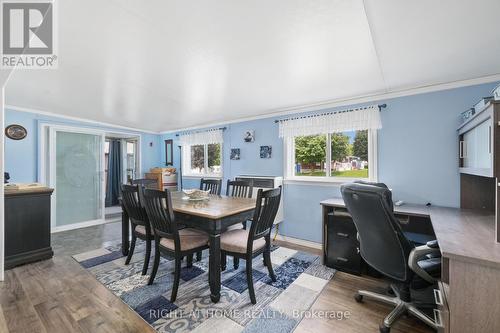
[[196, 195]]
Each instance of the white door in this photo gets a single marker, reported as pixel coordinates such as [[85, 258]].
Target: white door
[[77, 175]]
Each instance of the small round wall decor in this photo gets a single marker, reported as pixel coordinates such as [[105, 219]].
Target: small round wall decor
[[15, 132]]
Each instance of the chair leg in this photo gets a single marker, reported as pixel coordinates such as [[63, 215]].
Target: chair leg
[[147, 257], [236, 262], [223, 260], [131, 249], [198, 256], [267, 260], [177, 277], [155, 264], [189, 259], [251, 291]]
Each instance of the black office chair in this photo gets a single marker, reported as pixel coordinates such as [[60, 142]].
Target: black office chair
[[384, 247]]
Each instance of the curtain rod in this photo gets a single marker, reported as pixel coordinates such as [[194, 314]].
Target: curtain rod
[[212, 129], [380, 107]]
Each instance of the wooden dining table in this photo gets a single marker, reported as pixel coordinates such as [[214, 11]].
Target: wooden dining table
[[211, 216]]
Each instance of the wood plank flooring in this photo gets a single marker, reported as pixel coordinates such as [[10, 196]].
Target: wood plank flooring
[[58, 295]]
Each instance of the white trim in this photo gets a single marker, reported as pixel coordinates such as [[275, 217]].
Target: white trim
[[73, 118], [79, 225], [301, 242], [47, 165], [348, 101]]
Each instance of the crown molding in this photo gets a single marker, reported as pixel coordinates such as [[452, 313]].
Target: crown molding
[[80, 119]]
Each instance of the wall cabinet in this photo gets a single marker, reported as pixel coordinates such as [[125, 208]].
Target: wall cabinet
[[476, 143]]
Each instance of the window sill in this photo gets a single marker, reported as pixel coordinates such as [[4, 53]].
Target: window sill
[[201, 176], [319, 182]]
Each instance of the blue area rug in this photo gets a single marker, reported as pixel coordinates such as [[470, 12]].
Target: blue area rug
[[300, 279]]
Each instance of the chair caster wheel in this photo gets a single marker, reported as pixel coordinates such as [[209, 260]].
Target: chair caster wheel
[[358, 298], [384, 329]]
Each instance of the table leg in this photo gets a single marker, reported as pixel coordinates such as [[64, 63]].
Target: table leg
[[214, 268], [125, 232]]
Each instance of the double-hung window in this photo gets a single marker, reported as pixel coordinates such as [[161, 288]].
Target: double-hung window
[[336, 147], [202, 154]]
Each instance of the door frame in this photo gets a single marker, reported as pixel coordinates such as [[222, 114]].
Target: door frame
[[47, 170]]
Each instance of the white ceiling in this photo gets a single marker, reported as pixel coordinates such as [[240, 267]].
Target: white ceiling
[[162, 65]]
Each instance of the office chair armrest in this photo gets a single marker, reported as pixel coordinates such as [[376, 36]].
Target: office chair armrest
[[433, 244], [417, 254]]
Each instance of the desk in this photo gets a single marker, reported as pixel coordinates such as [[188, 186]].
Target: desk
[[211, 216], [471, 264]]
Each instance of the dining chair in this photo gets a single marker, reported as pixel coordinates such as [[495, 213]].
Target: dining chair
[[239, 189], [212, 185], [169, 240], [131, 201], [144, 183], [247, 244]]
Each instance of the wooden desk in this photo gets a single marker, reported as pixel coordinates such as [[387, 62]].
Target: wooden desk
[[471, 265], [211, 216]]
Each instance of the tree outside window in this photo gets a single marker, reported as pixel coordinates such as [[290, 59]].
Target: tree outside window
[[348, 155]]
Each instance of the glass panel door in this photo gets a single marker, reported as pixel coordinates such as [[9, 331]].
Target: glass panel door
[[76, 174]]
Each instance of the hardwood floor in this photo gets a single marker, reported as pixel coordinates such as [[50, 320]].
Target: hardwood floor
[[59, 296]]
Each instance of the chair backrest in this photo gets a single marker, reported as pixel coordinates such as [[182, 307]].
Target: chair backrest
[[381, 185], [131, 201], [266, 207], [212, 185], [382, 242], [161, 215], [239, 188], [145, 182]]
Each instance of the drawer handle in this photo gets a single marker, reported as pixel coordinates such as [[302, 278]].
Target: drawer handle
[[438, 297], [341, 234], [342, 259], [438, 319]]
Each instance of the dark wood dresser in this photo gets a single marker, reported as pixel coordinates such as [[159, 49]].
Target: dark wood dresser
[[27, 226]]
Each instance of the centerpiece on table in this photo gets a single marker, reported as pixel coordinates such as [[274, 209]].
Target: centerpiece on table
[[196, 194]]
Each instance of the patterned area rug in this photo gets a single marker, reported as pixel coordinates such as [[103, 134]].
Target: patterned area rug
[[280, 305]]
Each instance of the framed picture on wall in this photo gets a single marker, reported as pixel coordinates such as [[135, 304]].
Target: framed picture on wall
[[235, 154], [249, 136], [266, 151]]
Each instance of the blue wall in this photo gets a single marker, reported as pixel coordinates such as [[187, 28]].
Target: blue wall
[[21, 157], [417, 156]]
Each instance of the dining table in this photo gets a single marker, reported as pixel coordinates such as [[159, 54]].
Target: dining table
[[213, 216]]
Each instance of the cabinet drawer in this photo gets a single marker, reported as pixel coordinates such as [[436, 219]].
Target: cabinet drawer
[[442, 313], [343, 254]]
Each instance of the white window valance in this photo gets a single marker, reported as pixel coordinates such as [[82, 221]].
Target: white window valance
[[201, 137], [333, 122]]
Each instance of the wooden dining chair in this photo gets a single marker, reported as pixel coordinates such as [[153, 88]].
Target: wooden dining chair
[[169, 240], [239, 189], [247, 244], [212, 185], [143, 184], [131, 201]]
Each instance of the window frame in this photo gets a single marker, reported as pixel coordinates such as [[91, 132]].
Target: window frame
[[289, 162], [186, 162]]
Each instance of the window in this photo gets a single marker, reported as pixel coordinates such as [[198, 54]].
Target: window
[[202, 160], [332, 157]]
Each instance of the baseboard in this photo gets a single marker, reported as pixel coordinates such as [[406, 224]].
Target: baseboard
[[298, 241], [28, 257]]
